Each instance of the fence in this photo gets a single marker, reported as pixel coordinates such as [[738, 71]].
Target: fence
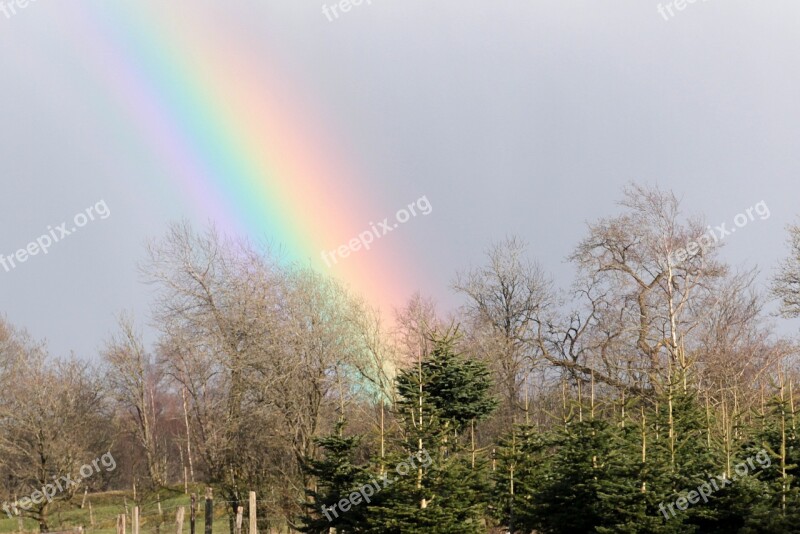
[[115, 513], [193, 526]]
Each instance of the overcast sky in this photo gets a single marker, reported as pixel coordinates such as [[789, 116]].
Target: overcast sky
[[512, 117]]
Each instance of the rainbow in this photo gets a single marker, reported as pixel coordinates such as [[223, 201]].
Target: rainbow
[[239, 144]]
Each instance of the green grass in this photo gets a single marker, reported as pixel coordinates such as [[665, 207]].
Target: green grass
[[107, 506]]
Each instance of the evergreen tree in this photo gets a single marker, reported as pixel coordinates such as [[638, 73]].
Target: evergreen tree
[[449, 386], [337, 477], [774, 452], [628, 494], [680, 460], [438, 400], [570, 499], [524, 459], [448, 500]]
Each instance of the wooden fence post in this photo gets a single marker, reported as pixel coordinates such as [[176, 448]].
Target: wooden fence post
[[239, 516], [160, 510], [121, 524], [179, 520], [193, 514], [20, 522], [209, 510], [135, 520], [253, 517]]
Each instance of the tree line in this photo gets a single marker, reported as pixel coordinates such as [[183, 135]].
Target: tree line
[[626, 402]]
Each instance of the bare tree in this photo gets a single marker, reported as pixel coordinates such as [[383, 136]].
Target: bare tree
[[216, 307], [53, 420], [133, 381], [648, 278], [506, 299], [261, 350], [414, 325], [786, 283]]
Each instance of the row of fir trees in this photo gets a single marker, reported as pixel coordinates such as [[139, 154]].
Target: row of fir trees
[[668, 462]]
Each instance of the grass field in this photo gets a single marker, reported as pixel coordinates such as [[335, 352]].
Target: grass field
[[105, 507]]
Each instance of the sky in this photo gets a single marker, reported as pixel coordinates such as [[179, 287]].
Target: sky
[[307, 123]]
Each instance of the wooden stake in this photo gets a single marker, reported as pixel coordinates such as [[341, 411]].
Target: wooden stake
[[239, 516], [472, 433], [785, 484], [188, 434], [253, 514], [656, 428], [193, 514], [511, 485], [791, 406], [708, 422], [179, 520], [20, 522], [671, 428], [527, 403], [383, 436], [726, 427], [644, 447], [209, 510], [135, 520]]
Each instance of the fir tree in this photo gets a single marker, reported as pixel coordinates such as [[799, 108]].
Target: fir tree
[[681, 459], [774, 452], [629, 500], [524, 459], [438, 400], [337, 477]]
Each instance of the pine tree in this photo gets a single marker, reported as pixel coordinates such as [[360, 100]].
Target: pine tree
[[574, 485], [628, 494], [439, 400], [775, 454], [451, 387], [679, 458], [523, 468], [337, 477], [586, 476]]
